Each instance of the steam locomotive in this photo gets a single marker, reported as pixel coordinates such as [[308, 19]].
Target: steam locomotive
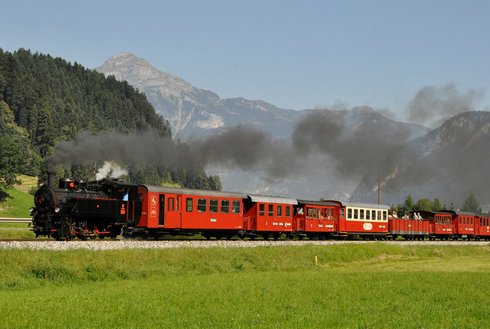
[[77, 209], [108, 208]]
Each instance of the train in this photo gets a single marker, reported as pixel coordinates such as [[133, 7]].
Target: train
[[110, 208]]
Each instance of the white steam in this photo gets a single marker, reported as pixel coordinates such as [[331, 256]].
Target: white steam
[[110, 169]]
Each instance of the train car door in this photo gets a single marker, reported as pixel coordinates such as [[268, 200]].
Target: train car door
[[161, 214]]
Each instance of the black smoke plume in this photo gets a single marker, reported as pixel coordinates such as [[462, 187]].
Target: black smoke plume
[[432, 105], [341, 138]]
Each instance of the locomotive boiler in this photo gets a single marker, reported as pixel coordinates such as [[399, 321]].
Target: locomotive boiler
[[77, 209]]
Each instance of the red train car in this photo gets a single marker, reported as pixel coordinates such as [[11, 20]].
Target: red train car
[[316, 219], [268, 216], [482, 227], [365, 220], [463, 224], [185, 211], [409, 228], [440, 223]]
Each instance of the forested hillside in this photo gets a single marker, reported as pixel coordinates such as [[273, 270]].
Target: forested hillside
[[46, 100]]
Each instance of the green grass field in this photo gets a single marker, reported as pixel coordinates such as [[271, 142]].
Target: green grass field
[[353, 286], [15, 231], [18, 205]]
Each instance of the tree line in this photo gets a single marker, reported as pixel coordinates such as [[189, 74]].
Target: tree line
[[470, 204], [45, 100]]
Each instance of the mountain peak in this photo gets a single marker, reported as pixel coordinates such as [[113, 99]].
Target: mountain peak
[[126, 58], [141, 74]]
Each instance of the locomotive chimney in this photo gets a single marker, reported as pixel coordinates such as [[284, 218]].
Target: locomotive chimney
[[51, 179]]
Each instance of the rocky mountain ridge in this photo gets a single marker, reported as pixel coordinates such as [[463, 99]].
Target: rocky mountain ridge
[[192, 111], [448, 163]]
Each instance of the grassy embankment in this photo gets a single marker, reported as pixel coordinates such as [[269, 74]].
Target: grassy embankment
[[353, 286], [17, 206]]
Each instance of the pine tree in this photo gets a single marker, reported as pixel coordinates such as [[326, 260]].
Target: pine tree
[[471, 204]]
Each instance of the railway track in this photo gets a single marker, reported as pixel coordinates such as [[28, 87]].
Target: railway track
[[169, 244]]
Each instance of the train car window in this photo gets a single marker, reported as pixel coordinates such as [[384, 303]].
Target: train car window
[[356, 213], [188, 204], [271, 210], [379, 215], [170, 204], [225, 206], [342, 213], [288, 211], [349, 213], [385, 215], [201, 205], [279, 211], [261, 209], [213, 206], [236, 207], [373, 214], [361, 214], [367, 214]]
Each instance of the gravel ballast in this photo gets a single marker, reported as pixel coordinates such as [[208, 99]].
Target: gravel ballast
[[137, 244]]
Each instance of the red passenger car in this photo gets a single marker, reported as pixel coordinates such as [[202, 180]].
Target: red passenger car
[[363, 219], [440, 223], [463, 224], [268, 216], [482, 227], [316, 219], [185, 211]]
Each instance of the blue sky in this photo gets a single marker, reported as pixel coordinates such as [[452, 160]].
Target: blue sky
[[293, 54]]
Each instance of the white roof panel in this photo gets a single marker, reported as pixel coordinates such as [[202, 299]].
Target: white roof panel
[[272, 199], [367, 205]]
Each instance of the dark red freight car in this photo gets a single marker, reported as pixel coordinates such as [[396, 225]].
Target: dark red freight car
[[409, 227]]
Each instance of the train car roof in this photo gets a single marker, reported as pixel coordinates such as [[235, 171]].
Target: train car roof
[[366, 205], [431, 212], [272, 199], [161, 189], [321, 202], [457, 212]]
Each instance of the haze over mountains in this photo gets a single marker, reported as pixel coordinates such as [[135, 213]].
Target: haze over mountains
[[330, 154]]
